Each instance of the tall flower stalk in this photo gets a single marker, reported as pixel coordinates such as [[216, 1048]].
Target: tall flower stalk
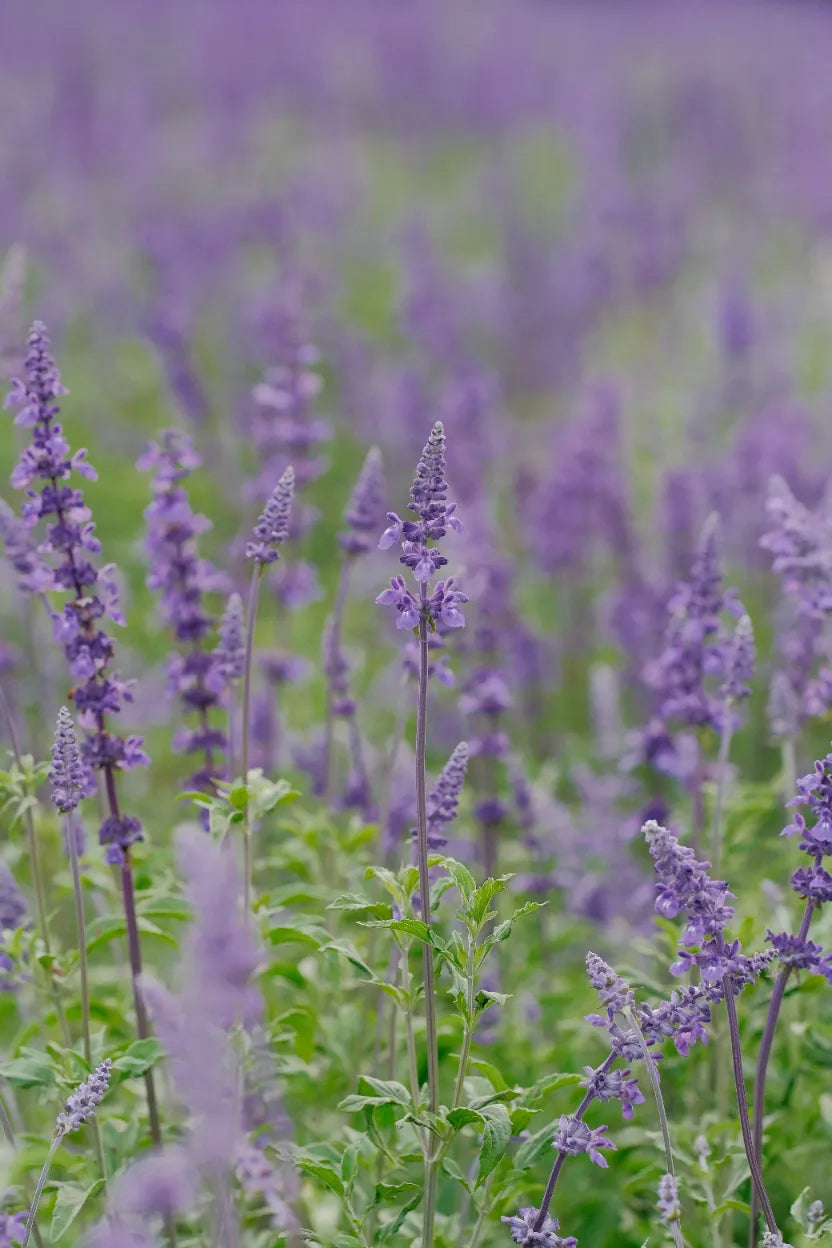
[[270, 532], [43, 471], [428, 500]]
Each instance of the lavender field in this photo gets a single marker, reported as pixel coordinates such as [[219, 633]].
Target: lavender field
[[415, 624]]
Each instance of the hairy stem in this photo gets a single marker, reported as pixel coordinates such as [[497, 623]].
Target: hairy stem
[[431, 1165], [253, 596], [655, 1083], [742, 1106], [763, 1056], [44, 1174]]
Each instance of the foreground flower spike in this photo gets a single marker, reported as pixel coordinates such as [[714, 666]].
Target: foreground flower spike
[[181, 578], [66, 775], [82, 1104], [272, 529], [524, 1231], [443, 801]]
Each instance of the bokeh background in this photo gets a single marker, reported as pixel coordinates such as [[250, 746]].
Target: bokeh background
[[595, 239]]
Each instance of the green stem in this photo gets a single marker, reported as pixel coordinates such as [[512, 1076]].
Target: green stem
[[469, 1025], [253, 596], [44, 1174], [653, 1076]]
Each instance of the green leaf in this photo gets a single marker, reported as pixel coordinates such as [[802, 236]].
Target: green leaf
[[392, 1191], [461, 876], [32, 1071], [532, 1149], [393, 1228], [354, 903], [495, 1139], [352, 955], [69, 1202], [325, 1173], [141, 1055], [111, 927], [491, 1073], [285, 934], [349, 1164], [388, 1088], [459, 1118], [164, 908]]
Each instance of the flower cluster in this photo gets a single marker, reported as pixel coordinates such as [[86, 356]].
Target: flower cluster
[[524, 1230], [230, 652], [428, 499], [182, 579], [668, 1204], [272, 528], [364, 509], [574, 1137], [66, 775], [443, 801], [12, 914], [82, 1104], [33, 575], [697, 646], [70, 540]]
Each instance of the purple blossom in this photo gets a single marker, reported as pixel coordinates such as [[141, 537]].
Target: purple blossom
[[443, 800], [70, 539], [800, 954], [365, 507], [182, 579], [33, 575], [668, 1204], [272, 529], [523, 1230], [230, 652], [80, 1107], [163, 1184], [739, 662], [12, 1228], [574, 1137], [66, 775], [613, 1085], [12, 905], [800, 542]]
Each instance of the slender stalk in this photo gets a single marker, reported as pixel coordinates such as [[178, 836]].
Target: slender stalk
[[469, 1028], [35, 870], [142, 1024], [763, 1056], [253, 596], [6, 1124], [546, 1203], [335, 642], [721, 786], [390, 762], [655, 1083], [742, 1106], [44, 1174], [431, 1167]]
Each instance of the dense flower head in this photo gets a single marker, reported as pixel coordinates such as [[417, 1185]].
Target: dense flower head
[[441, 607], [66, 775], [740, 661], [800, 542], [525, 1231], [80, 1107], [613, 1085], [443, 801], [814, 791], [800, 954], [697, 647], [365, 508], [428, 499], [230, 651], [616, 995], [12, 905], [69, 542], [668, 1204], [272, 529], [573, 1137]]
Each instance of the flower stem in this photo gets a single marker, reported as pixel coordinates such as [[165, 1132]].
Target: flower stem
[[44, 1174], [335, 643], [253, 596], [766, 1042], [655, 1083], [546, 1203], [431, 1164], [742, 1106]]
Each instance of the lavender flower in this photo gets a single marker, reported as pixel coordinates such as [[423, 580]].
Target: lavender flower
[[182, 578], [740, 662], [574, 1137], [668, 1204], [365, 507], [82, 1104], [70, 537], [33, 576], [523, 1231], [66, 775], [613, 1085], [272, 529], [443, 801], [230, 653], [12, 1228], [12, 905]]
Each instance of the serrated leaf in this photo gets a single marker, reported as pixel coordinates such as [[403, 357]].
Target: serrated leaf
[[392, 1191], [459, 1118], [31, 1071], [69, 1202], [495, 1139], [139, 1057], [327, 1174]]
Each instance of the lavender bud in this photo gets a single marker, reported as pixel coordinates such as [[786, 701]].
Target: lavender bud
[[443, 802], [82, 1104], [668, 1201], [272, 529], [66, 775], [230, 653]]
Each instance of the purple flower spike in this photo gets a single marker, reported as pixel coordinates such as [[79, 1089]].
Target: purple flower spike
[[82, 1104], [231, 651], [443, 801], [668, 1204], [66, 775], [12, 905], [365, 507], [33, 576], [272, 529], [522, 1227], [573, 1137]]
